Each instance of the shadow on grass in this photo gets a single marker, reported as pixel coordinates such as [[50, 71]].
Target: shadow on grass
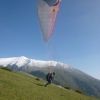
[[40, 84]]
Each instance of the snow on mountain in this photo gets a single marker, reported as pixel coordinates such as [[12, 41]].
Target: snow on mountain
[[23, 61], [19, 61]]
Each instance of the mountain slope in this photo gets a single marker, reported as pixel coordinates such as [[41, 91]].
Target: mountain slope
[[23, 61], [65, 75], [22, 86], [74, 79]]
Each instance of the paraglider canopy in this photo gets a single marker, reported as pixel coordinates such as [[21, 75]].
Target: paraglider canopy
[[47, 12], [52, 2]]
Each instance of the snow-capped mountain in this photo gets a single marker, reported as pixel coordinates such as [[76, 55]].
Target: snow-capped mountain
[[65, 75], [23, 61]]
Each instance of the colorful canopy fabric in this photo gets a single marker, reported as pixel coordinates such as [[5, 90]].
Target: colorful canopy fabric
[[47, 12], [51, 2]]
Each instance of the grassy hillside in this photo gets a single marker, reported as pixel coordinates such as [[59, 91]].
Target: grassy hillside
[[74, 79], [22, 86]]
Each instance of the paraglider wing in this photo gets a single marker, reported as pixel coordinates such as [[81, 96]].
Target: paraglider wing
[[47, 12]]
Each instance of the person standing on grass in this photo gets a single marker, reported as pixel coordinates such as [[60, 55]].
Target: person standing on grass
[[49, 78]]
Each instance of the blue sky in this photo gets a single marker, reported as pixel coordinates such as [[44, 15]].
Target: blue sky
[[75, 39]]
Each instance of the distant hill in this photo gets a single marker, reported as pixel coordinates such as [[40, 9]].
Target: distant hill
[[23, 86], [65, 75], [73, 79]]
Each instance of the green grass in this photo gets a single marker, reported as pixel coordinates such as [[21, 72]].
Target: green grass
[[22, 86]]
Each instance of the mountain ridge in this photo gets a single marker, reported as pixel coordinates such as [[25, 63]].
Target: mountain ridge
[[65, 75], [21, 61]]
